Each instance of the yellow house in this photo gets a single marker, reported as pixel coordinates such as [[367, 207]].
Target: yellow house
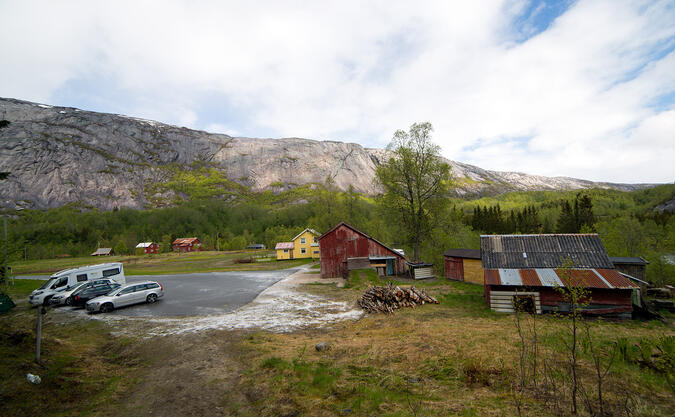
[[304, 245]]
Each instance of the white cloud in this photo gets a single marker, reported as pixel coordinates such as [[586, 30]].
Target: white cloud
[[579, 97]]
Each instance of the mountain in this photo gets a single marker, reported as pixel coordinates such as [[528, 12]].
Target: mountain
[[57, 155]]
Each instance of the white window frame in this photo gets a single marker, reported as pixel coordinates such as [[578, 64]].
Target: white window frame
[[303, 250]]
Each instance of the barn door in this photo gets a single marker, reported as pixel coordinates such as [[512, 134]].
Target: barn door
[[454, 269]]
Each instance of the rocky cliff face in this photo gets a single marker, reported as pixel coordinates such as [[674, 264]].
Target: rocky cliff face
[[57, 155]]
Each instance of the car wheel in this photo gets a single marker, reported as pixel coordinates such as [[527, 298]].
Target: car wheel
[[69, 301], [107, 308], [45, 302], [151, 298]]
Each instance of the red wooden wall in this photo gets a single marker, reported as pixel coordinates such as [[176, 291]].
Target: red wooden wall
[[343, 242], [454, 268]]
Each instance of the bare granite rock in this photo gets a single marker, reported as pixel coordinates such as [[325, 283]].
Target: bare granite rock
[[58, 155]]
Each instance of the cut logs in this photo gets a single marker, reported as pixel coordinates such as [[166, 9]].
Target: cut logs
[[391, 297]]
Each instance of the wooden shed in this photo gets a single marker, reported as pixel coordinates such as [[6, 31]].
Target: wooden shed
[[635, 266], [529, 267], [148, 247], [344, 242], [464, 265]]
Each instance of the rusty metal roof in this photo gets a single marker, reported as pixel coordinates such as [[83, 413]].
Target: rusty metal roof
[[543, 251], [463, 253], [284, 245], [185, 241], [550, 277]]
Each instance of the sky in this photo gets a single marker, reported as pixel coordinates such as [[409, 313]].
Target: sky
[[583, 89]]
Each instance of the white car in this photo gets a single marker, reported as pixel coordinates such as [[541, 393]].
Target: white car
[[138, 292]]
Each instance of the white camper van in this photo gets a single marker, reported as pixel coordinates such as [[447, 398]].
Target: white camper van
[[70, 277]]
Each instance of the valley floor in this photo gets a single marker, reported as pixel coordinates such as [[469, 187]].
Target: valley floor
[[454, 358]]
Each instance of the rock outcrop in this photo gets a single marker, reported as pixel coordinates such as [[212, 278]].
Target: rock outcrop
[[57, 155]]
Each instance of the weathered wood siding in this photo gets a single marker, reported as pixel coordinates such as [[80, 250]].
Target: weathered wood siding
[[342, 243], [603, 301], [464, 269], [473, 271]]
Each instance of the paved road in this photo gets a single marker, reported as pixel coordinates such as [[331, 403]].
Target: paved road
[[202, 294]]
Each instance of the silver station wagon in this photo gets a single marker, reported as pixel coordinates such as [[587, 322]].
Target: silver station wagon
[[138, 292]]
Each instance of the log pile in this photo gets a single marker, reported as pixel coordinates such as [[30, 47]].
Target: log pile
[[390, 297]]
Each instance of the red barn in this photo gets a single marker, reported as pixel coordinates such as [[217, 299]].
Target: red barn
[[529, 266], [148, 247], [187, 244], [345, 244]]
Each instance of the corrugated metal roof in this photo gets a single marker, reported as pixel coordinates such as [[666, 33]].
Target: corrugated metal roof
[[549, 277], [144, 245], [543, 251], [185, 240], [638, 260], [284, 245], [362, 234], [463, 253], [102, 251]]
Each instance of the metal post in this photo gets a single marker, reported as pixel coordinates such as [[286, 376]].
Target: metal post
[[39, 334], [4, 255]]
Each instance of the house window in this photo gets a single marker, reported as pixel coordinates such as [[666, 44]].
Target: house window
[[285, 250], [314, 240], [302, 240], [316, 252], [303, 250]]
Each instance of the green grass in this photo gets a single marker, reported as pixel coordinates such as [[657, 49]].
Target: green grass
[[20, 288], [79, 371], [167, 263]]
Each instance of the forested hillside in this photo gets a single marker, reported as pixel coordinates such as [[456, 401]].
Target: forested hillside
[[627, 222]]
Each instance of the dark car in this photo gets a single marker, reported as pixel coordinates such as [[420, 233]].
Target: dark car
[[83, 295]]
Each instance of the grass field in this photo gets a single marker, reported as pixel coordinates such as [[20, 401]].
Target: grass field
[[455, 358], [166, 263]]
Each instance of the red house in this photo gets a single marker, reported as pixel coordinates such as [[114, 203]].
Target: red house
[[187, 244], [529, 267], [344, 245], [148, 247]]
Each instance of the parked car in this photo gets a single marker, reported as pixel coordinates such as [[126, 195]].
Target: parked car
[[71, 277], [138, 292], [81, 296], [64, 296]]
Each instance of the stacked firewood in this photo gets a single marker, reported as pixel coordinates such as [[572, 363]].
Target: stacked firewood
[[390, 297]]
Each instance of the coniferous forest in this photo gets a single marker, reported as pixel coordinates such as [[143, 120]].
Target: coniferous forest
[[629, 223]]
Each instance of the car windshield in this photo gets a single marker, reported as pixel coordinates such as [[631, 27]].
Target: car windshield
[[49, 282], [114, 291], [74, 287]]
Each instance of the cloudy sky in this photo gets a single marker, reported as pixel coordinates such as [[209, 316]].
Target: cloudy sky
[[575, 88]]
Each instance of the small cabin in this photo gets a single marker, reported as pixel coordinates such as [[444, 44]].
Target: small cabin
[[148, 247], [103, 252], [635, 266], [187, 244], [464, 265]]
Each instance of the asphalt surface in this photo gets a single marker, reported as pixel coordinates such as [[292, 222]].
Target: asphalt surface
[[201, 294]]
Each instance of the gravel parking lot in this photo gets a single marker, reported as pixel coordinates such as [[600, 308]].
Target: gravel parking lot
[[202, 294]]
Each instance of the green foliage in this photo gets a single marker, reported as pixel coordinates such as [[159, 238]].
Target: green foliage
[[415, 181]]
